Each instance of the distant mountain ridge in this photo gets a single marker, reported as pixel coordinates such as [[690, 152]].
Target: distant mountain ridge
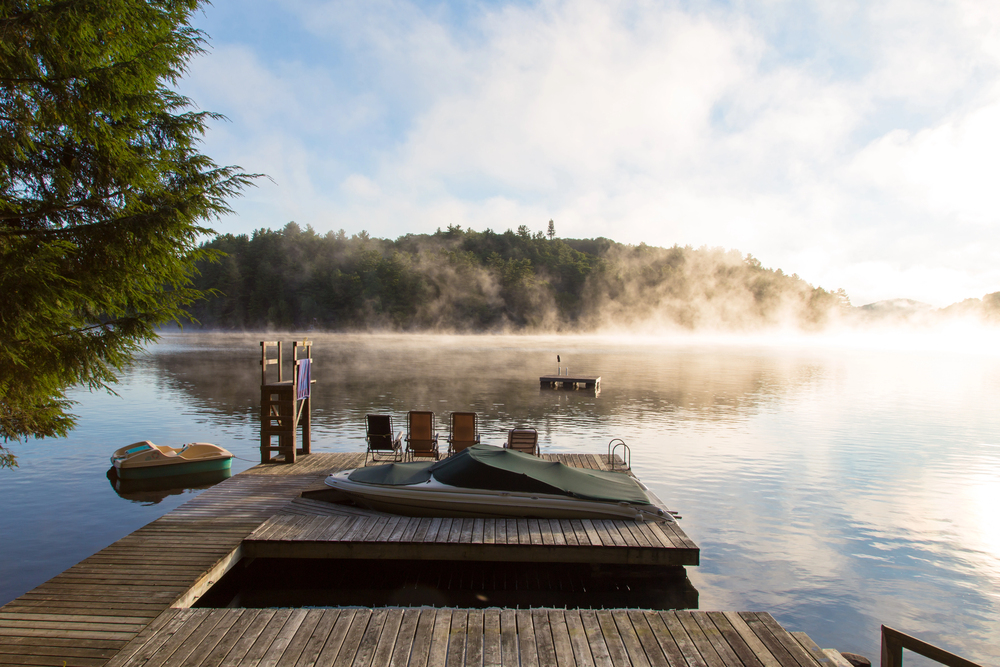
[[986, 309]]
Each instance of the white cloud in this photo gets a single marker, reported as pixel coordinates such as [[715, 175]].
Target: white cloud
[[361, 187], [951, 169], [854, 144]]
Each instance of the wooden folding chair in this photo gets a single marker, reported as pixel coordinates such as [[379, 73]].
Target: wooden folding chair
[[523, 439], [382, 444], [421, 439], [464, 431]]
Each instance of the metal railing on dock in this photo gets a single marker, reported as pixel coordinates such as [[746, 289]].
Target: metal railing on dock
[[626, 457], [894, 641]]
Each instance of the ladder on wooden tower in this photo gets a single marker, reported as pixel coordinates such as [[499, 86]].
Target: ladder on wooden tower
[[285, 404]]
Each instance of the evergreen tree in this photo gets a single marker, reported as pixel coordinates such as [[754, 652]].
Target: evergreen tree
[[103, 194], [552, 229]]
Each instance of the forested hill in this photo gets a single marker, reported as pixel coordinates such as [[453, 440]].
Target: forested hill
[[464, 280]]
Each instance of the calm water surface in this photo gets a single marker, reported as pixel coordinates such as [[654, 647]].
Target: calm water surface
[[836, 487]]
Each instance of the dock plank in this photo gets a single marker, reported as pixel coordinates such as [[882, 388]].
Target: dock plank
[[388, 637], [420, 647], [334, 643], [527, 652], [437, 652], [672, 654], [789, 643], [508, 639], [700, 640], [764, 635], [544, 644], [348, 650], [457, 637], [311, 638], [492, 645], [612, 639], [562, 646], [475, 628], [714, 635], [684, 642], [369, 638]]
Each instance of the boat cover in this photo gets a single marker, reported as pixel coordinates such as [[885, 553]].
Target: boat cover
[[498, 469]]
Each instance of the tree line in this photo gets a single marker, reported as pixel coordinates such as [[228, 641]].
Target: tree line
[[466, 280]]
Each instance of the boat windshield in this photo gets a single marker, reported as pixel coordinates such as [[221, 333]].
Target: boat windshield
[[394, 474], [498, 469]]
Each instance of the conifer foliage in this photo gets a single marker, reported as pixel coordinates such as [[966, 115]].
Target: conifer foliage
[[103, 195]]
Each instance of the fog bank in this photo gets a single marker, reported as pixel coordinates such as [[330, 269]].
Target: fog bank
[[464, 281]]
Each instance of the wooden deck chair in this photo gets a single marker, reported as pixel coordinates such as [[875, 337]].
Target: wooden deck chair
[[421, 440], [464, 431], [523, 439], [382, 444]]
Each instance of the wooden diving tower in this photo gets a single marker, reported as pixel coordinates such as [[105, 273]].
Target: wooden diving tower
[[285, 404]]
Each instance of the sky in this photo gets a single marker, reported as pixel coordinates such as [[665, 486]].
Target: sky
[[856, 144]]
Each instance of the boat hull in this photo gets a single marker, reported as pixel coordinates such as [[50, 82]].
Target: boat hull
[[436, 501], [144, 460], [174, 469]]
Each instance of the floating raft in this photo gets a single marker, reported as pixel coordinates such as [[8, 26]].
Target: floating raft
[[571, 381], [130, 602]]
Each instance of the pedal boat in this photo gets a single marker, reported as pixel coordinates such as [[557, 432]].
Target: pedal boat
[[144, 460], [491, 482]]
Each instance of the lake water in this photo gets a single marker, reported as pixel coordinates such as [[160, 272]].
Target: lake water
[[838, 483]]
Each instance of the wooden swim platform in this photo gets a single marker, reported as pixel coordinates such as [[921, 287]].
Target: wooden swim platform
[[130, 602], [571, 381], [521, 540]]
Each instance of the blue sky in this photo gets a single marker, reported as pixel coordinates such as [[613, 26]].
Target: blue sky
[[856, 144]]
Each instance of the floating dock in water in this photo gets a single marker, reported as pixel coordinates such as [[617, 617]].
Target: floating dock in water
[[130, 603], [571, 381]]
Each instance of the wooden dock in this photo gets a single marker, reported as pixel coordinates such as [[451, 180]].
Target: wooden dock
[[427, 637], [571, 381], [339, 533], [129, 603]]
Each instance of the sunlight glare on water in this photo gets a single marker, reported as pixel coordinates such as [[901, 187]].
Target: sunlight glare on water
[[839, 481]]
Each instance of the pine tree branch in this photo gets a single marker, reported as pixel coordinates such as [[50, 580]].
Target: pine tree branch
[[41, 213]]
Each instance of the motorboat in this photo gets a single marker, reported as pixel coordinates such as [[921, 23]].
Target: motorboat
[[487, 481], [144, 460]]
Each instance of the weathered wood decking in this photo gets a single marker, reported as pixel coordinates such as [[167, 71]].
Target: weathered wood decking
[[129, 601], [424, 637], [89, 612], [314, 529]]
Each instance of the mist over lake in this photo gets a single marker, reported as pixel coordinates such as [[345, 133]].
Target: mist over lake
[[837, 483]]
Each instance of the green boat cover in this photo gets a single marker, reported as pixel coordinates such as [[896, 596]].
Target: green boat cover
[[499, 469]]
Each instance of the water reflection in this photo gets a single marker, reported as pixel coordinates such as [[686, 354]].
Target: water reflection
[[155, 490], [489, 375], [836, 487]]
